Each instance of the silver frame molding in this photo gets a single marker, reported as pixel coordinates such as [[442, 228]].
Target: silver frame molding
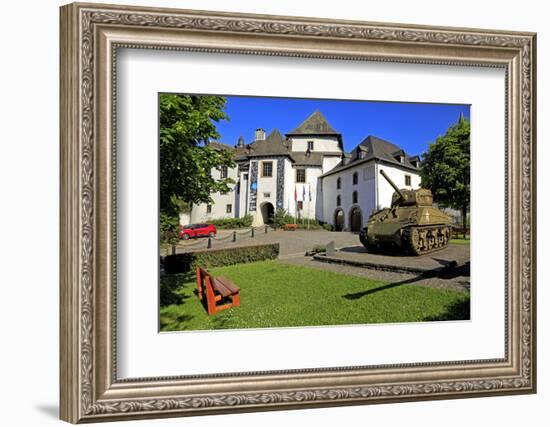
[[90, 36]]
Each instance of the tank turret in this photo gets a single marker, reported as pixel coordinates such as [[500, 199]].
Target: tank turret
[[411, 224]]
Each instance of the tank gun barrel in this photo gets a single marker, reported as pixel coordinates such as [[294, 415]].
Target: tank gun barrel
[[397, 190]]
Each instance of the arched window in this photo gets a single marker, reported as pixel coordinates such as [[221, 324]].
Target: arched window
[[355, 178], [338, 200], [339, 183], [354, 197]]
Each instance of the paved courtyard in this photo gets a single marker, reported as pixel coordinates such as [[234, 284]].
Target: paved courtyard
[[291, 242]]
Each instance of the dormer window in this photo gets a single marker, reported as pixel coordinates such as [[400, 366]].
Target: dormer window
[[399, 156], [310, 146]]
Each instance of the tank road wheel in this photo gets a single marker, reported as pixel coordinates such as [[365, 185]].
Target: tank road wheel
[[430, 240], [413, 241], [421, 241], [364, 241], [441, 237]]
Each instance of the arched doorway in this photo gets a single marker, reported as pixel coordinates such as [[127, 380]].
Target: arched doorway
[[355, 219], [339, 220], [268, 211]]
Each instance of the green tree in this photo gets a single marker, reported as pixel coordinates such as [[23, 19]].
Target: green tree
[[187, 124], [445, 168]]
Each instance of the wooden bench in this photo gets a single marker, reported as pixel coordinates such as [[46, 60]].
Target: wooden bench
[[219, 293], [457, 231], [288, 227]]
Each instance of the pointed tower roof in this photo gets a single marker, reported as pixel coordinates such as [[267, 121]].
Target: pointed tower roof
[[315, 124], [240, 141], [461, 119]]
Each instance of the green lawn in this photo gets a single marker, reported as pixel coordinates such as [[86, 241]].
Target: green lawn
[[276, 295], [460, 241]]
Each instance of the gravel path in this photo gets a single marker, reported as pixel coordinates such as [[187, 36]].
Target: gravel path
[[453, 280]]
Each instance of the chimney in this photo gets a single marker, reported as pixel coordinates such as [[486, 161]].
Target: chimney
[[260, 134]]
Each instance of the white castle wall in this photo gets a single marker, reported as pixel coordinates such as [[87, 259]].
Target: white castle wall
[[366, 192], [397, 175], [199, 212], [324, 144]]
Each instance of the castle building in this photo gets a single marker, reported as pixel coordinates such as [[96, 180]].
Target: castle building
[[308, 174]]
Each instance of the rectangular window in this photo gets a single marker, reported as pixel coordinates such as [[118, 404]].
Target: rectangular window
[[300, 206], [407, 180], [267, 169], [310, 145], [208, 208], [300, 175], [267, 195], [228, 208], [223, 172]]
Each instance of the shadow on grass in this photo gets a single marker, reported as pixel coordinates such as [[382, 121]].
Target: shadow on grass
[[171, 286], [358, 295], [449, 271], [175, 322], [458, 310]]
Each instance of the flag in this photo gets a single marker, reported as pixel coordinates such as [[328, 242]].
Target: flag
[[304, 193]]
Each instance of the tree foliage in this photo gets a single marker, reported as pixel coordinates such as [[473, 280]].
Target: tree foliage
[[187, 124], [446, 168]]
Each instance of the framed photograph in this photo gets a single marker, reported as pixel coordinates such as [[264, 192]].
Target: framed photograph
[[267, 212]]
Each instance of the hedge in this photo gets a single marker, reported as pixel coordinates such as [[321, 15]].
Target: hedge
[[182, 263], [282, 217], [229, 223]]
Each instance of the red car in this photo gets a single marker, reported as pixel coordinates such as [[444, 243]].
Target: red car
[[197, 230]]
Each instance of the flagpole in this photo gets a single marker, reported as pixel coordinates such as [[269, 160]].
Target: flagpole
[[295, 203], [308, 204]]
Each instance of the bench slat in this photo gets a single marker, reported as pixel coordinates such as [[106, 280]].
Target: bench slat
[[221, 288], [228, 284]]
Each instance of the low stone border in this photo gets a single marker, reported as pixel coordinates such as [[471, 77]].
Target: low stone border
[[384, 267]]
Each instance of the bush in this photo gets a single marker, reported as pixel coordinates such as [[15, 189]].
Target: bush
[[169, 229], [182, 263], [228, 223], [281, 217]]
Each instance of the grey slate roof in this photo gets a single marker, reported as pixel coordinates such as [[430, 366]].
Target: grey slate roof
[[216, 145], [374, 148], [316, 124], [304, 159], [273, 145]]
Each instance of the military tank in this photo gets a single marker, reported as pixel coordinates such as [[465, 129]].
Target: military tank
[[411, 224]]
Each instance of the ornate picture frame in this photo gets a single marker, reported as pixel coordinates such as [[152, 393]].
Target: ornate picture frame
[[90, 37]]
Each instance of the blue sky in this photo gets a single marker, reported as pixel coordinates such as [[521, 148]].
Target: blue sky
[[411, 126]]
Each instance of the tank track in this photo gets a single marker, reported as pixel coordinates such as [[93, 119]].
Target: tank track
[[421, 240]]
